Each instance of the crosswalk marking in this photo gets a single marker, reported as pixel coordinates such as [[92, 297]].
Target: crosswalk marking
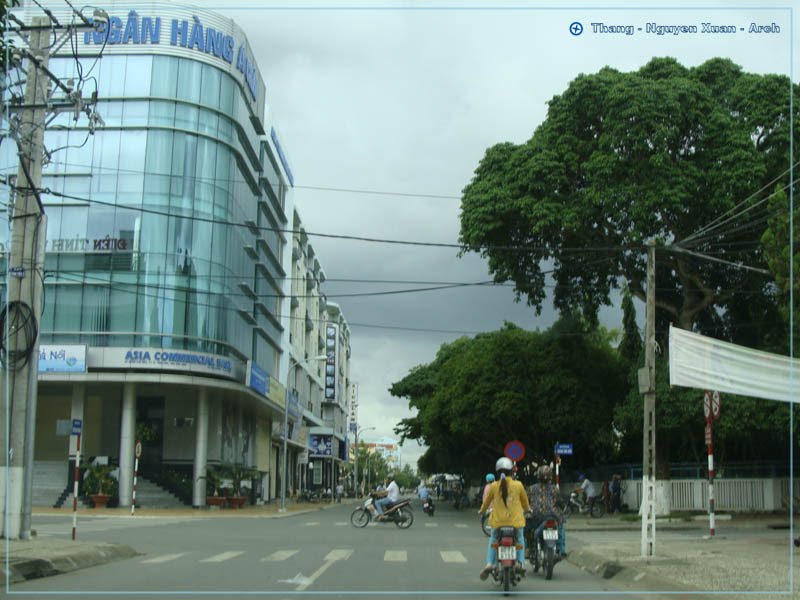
[[311, 524], [279, 555], [163, 558], [462, 525], [222, 557], [452, 556], [341, 523], [395, 556], [431, 524]]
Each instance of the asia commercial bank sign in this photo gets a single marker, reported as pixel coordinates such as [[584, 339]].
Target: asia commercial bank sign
[[192, 35]]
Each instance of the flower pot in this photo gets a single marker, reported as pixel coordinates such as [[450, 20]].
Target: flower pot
[[100, 500], [215, 501], [237, 501]]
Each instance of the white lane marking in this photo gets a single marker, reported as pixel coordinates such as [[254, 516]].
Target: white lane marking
[[311, 524], [462, 525], [431, 524], [638, 576], [452, 556], [395, 556], [332, 558], [222, 557], [279, 555], [341, 524], [163, 558]]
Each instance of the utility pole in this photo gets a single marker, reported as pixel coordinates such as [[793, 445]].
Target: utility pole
[[27, 120], [26, 275], [647, 386]]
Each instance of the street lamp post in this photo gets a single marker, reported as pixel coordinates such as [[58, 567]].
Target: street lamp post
[[355, 466], [284, 482]]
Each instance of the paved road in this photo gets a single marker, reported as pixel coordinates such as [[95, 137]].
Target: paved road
[[314, 552]]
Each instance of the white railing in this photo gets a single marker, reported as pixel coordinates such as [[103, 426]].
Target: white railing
[[732, 495]]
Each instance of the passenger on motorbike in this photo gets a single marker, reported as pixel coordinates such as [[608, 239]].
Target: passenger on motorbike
[[544, 501], [388, 497], [509, 505]]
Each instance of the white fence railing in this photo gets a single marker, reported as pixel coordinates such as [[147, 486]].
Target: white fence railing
[[733, 495]]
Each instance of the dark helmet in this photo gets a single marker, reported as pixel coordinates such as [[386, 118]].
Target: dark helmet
[[581, 477]]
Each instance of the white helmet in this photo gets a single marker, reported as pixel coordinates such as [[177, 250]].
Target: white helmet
[[503, 464]]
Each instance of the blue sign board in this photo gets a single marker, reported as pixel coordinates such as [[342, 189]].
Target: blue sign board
[[257, 378], [564, 449], [76, 426], [62, 359], [320, 445], [293, 404]]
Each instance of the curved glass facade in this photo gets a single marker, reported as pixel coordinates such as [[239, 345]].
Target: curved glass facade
[[150, 217]]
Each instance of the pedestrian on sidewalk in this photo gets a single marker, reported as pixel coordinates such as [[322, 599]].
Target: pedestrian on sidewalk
[[616, 493], [339, 492]]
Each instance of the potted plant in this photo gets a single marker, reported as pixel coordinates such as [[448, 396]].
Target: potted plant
[[237, 473], [213, 486], [99, 485]]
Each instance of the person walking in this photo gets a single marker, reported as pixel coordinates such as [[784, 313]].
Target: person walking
[[339, 492]]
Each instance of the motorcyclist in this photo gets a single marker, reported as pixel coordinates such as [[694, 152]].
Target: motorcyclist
[[509, 505], [544, 501], [487, 486], [587, 488], [425, 494], [388, 497]]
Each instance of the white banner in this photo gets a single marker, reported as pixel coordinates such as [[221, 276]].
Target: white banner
[[697, 361]]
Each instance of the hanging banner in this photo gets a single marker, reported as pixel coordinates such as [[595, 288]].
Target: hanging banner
[[697, 361]]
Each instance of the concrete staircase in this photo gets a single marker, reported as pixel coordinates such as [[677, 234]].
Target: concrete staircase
[[51, 489]]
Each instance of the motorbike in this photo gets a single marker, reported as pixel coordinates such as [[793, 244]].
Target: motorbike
[[575, 504], [543, 551], [460, 500], [427, 506], [485, 527], [505, 572], [400, 514]]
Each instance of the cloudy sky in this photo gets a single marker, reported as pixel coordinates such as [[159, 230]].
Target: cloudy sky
[[403, 98]]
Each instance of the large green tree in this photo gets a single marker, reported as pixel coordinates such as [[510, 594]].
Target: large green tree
[[536, 387], [623, 158]]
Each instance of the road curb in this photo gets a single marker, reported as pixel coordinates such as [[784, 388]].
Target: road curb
[[621, 574], [22, 569]]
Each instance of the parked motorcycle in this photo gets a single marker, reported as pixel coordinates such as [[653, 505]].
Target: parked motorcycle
[[400, 514], [427, 506], [543, 551], [505, 571], [578, 506], [485, 527]]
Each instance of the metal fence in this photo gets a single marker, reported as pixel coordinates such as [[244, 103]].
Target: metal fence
[[732, 495]]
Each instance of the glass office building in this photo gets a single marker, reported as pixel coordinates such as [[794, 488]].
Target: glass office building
[[166, 247]]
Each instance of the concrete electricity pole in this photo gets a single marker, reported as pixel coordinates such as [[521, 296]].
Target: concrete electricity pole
[[647, 386], [19, 346], [26, 274]]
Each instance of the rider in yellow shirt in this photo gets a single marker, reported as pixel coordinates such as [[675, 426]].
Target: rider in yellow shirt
[[509, 504]]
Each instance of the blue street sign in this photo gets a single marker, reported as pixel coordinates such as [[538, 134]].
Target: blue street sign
[[565, 449], [76, 426]]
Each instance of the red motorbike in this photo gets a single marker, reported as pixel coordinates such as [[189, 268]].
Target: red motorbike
[[505, 569]]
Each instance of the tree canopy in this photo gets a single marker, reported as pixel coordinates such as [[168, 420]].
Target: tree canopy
[[623, 158], [539, 388]]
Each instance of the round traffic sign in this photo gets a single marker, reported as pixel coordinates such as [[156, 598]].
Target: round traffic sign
[[715, 404], [137, 449], [515, 450], [707, 404]]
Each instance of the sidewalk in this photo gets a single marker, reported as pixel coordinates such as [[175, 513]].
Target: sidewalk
[[43, 557], [748, 554]]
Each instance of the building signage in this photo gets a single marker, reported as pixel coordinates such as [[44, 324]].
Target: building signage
[[353, 414], [62, 359], [281, 156], [320, 445], [192, 35], [256, 378], [168, 360], [293, 405], [331, 350]]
